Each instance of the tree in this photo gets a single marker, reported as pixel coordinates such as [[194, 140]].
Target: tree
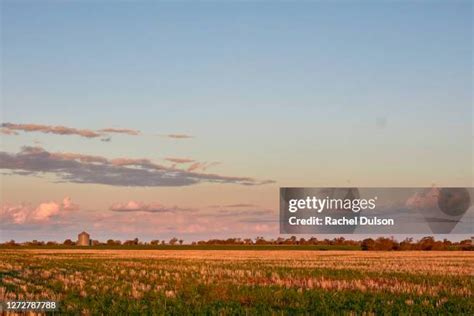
[[407, 244], [180, 241], [131, 242], [383, 243], [11, 243], [248, 241], [368, 244], [173, 241], [68, 242], [466, 244], [427, 243]]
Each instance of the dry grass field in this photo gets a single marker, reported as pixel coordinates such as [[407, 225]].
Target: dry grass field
[[246, 282]]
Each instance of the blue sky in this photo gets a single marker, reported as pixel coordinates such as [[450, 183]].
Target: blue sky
[[209, 56], [365, 93]]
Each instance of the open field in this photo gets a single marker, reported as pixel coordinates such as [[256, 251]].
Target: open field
[[240, 282], [191, 247]]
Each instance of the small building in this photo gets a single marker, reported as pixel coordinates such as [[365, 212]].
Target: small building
[[83, 239]]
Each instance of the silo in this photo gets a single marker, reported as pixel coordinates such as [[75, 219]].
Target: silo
[[83, 239]]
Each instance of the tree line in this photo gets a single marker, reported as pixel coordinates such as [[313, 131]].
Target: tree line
[[380, 243]]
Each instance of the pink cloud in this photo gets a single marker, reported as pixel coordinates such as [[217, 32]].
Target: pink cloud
[[201, 166], [44, 212], [15, 214], [7, 131], [179, 160], [12, 128], [132, 162], [79, 157], [194, 166], [136, 206], [69, 205], [49, 129], [120, 131], [104, 133], [238, 205], [424, 199], [178, 136]]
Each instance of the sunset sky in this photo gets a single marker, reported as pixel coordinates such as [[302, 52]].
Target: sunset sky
[[158, 119]]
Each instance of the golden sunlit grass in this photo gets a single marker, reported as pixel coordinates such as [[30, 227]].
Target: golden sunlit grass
[[234, 281]]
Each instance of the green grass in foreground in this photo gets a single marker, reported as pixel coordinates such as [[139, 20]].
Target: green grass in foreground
[[242, 283]]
